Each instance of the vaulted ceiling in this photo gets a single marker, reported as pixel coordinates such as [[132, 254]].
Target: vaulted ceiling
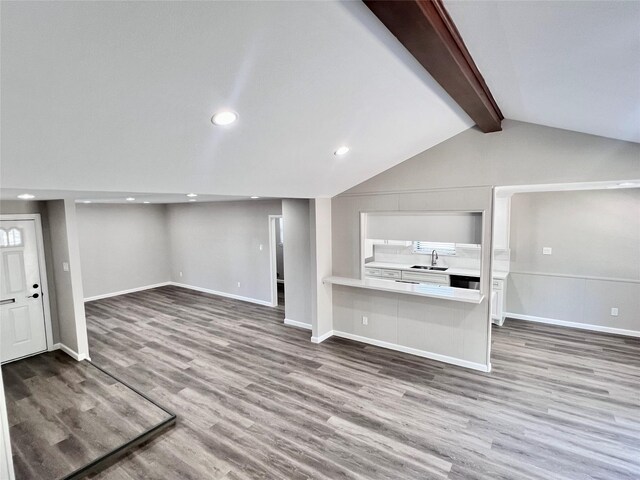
[[118, 96], [567, 64]]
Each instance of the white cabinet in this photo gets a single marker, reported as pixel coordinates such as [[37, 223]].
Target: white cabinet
[[383, 273], [438, 279], [497, 301]]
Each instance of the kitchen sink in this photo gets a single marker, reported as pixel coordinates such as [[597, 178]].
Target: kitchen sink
[[427, 267]]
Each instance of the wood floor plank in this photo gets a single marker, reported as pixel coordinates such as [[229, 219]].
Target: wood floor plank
[[257, 399], [260, 401]]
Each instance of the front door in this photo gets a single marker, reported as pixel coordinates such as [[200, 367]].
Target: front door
[[22, 324]]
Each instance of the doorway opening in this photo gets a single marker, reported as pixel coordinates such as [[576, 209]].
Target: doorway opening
[[276, 244]]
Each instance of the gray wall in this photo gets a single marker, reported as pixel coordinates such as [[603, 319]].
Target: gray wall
[[216, 245], [521, 154], [595, 264], [455, 330], [69, 292], [297, 260], [122, 247]]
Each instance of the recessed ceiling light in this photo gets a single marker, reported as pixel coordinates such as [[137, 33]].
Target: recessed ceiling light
[[225, 117], [341, 150], [130, 199], [146, 202], [192, 194], [86, 201], [254, 198], [26, 196], [192, 199]]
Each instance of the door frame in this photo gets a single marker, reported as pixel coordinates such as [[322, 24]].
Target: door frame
[[272, 257], [42, 266]]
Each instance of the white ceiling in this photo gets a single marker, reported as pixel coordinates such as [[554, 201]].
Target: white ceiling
[[117, 97], [565, 64]]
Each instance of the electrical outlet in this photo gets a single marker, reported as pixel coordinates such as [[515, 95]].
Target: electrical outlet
[[614, 312], [546, 251], [180, 274], [65, 266], [365, 320], [238, 284]]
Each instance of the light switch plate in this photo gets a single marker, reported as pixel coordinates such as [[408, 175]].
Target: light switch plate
[[65, 266], [365, 320], [546, 251], [614, 312]]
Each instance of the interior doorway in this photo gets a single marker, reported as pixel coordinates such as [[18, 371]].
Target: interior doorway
[[25, 325], [276, 241]]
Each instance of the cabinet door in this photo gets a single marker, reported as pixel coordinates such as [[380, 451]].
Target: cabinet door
[[499, 304], [390, 273], [426, 278], [494, 304]]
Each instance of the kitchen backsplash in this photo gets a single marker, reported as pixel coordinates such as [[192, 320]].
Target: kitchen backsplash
[[467, 256]]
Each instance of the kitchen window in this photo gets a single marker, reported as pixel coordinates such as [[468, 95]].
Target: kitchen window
[[446, 249]]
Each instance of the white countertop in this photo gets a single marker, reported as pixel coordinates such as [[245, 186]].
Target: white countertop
[[450, 270], [420, 289]]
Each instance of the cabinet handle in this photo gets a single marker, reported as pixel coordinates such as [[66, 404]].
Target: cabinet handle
[[7, 301]]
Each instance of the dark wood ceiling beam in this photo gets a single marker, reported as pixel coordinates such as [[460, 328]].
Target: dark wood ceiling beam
[[425, 28]]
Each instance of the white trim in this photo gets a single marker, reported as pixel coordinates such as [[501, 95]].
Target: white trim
[[42, 267], [273, 263], [580, 326], [414, 351], [124, 292], [322, 338], [295, 323], [72, 353], [579, 277], [222, 294]]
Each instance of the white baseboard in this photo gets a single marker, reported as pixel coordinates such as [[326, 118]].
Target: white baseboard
[[414, 351], [295, 323], [581, 326], [72, 353], [322, 338], [223, 294], [124, 292]]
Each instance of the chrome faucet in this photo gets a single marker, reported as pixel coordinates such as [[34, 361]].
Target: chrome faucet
[[434, 258]]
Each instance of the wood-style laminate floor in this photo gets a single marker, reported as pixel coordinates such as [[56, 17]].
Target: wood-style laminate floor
[[64, 414], [256, 399]]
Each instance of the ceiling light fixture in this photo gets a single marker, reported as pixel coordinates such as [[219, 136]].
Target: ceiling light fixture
[[254, 198], [146, 202], [192, 194], [343, 150], [225, 117], [86, 201], [627, 184], [130, 199], [192, 200], [26, 196]]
